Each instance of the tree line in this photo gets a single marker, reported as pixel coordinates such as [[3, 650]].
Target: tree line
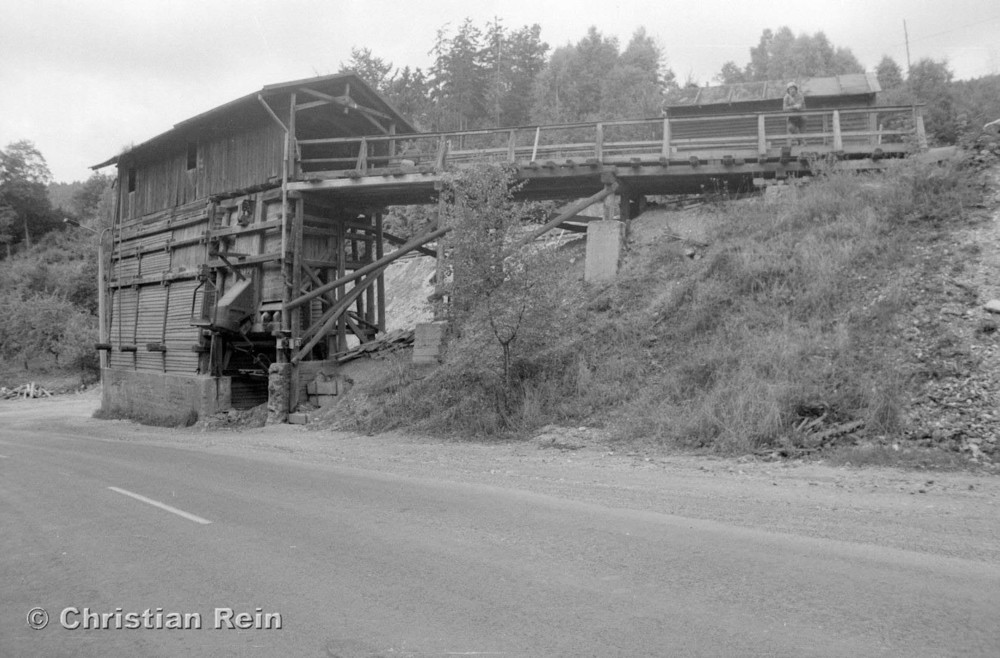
[[48, 269], [496, 76]]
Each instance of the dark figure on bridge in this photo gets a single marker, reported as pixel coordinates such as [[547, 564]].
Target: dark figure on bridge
[[794, 102]]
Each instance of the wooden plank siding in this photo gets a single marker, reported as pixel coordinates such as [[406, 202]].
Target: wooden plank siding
[[155, 262], [231, 162]]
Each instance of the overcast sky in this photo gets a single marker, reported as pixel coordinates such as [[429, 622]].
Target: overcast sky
[[83, 78]]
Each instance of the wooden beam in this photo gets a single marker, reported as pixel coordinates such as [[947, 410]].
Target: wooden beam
[[350, 103], [310, 105], [569, 213], [333, 316], [372, 267], [395, 239]]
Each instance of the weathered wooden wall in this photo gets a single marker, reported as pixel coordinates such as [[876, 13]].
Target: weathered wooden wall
[[225, 164]]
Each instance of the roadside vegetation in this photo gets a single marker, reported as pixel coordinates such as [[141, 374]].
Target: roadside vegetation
[[791, 319], [48, 272]]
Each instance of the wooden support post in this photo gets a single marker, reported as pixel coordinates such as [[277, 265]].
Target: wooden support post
[[534, 149], [628, 203], [293, 145], [665, 147], [380, 292], [761, 136], [609, 203], [163, 329], [838, 138], [296, 314], [342, 288], [362, 165], [441, 221], [599, 143], [355, 257], [135, 328], [512, 147], [286, 261], [918, 125], [873, 138], [442, 154], [369, 306]]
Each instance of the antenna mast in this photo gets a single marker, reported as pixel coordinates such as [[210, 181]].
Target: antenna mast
[[906, 36]]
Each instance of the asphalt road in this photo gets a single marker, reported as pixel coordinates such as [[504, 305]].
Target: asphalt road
[[370, 563]]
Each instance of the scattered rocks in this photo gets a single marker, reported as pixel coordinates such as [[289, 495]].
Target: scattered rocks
[[566, 438], [957, 355]]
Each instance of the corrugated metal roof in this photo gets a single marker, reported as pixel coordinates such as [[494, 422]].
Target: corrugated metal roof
[[851, 84]]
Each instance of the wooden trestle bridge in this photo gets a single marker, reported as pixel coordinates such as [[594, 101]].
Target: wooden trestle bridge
[[645, 157], [629, 158]]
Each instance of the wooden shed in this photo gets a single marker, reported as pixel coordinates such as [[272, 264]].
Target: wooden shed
[[744, 102], [210, 245]]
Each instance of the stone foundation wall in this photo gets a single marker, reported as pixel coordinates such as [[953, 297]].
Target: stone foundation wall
[[161, 398]]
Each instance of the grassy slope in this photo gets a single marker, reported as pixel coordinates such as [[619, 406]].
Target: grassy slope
[[791, 322]]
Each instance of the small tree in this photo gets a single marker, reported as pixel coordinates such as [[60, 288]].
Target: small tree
[[500, 292], [930, 82]]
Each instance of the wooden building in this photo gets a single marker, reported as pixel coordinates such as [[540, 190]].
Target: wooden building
[[853, 95], [210, 246]]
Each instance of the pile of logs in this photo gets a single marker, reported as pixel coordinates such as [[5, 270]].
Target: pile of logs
[[31, 390]]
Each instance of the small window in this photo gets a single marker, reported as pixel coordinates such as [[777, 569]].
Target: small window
[[131, 179], [192, 155]]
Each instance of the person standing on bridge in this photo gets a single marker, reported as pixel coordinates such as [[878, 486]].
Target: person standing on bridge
[[794, 102]]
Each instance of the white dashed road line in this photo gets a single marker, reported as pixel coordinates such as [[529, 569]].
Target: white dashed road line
[[168, 508]]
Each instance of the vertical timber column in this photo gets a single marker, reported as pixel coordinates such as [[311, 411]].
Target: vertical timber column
[[330, 274], [439, 272], [369, 245], [381, 277], [609, 200], [283, 345], [341, 273], [279, 373], [296, 314], [359, 304]]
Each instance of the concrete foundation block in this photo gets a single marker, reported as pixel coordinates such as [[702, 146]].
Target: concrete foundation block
[[428, 341], [298, 418], [162, 398], [605, 239]]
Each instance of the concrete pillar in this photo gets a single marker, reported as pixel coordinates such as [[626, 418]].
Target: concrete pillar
[[605, 240], [279, 380], [427, 341]]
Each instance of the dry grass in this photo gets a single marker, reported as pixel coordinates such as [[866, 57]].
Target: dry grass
[[791, 315]]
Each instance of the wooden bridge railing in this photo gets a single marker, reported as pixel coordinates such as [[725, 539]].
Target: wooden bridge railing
[[761, 135]]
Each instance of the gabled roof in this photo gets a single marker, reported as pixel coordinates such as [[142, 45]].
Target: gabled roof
[[362, 99], [851, 84]]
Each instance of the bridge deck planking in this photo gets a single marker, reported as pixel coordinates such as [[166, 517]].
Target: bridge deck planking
[[652, 156]]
